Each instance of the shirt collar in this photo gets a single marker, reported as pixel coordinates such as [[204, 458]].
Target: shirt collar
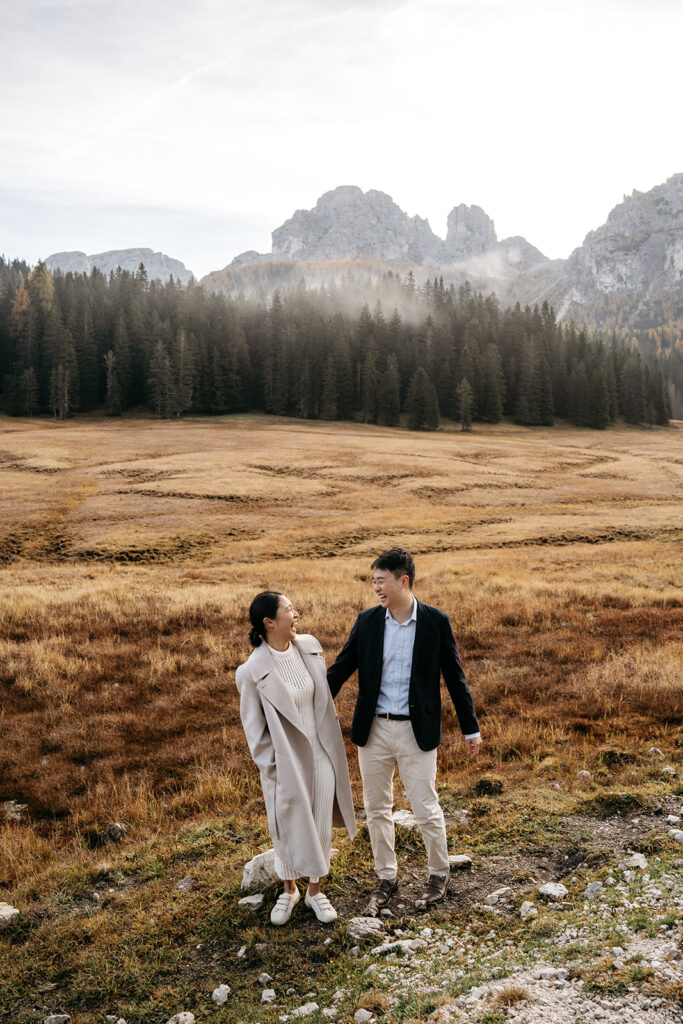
[[413, 616]]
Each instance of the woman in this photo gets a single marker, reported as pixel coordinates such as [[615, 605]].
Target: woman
[[294, 737]]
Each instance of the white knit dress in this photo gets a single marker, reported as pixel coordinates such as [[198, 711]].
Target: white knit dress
[[296, 676]]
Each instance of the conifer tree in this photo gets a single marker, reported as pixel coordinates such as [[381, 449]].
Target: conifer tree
[[112, 404], [328, 404], [160, 382], [464, 393], [389, 406]]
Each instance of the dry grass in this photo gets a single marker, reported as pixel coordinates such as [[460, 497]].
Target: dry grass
[[131, 552]]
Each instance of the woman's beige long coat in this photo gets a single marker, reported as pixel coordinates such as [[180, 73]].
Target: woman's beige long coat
[[283, 754]]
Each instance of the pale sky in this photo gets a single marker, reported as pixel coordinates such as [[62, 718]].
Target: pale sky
[[196, 128]]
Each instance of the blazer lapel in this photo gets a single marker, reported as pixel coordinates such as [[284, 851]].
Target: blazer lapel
[[420, 634], [381, 618]]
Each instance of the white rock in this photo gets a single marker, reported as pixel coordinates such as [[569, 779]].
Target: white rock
[[186, 883], [668, 769], [330, 1012], [655, 752], [617, 965], [527, 910], [362, 1016], [493, 897], [677, 834], [7, 914], [57, 1018], [583, 774], [241, 952], [268, 995], [220, 995], [673, 819], [306, 1010], [593, 889], [460, 862], [182, 1018], [254, 901], [260, 870], [553, 890], [264, 979], [360, 928], [404, 819], [636, 860]]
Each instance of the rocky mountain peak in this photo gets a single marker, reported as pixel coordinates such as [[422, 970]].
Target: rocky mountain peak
[[158, 265], [470, 231]]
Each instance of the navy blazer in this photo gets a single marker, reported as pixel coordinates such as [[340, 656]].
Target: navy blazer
[[435, 653]]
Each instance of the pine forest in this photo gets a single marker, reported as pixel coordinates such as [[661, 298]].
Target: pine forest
[[387, 352]]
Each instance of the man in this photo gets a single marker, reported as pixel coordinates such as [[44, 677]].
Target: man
[[399, 649]]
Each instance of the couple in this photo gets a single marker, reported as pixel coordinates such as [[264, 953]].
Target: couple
[[399, 649]]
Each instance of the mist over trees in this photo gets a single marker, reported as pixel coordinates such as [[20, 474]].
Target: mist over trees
[[386, 352]]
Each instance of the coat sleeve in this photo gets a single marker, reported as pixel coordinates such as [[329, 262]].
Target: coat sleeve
[[454, 677], [346, 663], [255, 725]]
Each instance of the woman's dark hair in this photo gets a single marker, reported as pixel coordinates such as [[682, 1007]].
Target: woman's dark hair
[[264, 606]]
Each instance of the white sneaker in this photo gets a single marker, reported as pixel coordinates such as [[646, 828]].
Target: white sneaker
[[321, 907], [282, 911]]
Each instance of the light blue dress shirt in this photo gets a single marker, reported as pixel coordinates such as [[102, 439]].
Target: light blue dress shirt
[[397, 662]]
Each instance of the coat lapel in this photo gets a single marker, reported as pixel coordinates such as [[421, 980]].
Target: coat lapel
[[380, 622], [273, 688], [315, 663]]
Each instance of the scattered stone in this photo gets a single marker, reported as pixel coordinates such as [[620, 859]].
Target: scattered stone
[[583, 774], [182, 1018], [655, 752], [673, 819], [527, 910], [675, 833], [360, 928], [268, 995], [668, 770], [618, 965], [114, 833], [493, 897], [553, 890], [330, 1012], [7, 914], [57, 1018], [404, 819], [185, 884], [593, 889], [220, 995], [260, 870], [362, 1016], [264, 979], [386, 912], [13, 810], [255, 901], [460, 862], [306, 1010], [636, 860], [241, 952]]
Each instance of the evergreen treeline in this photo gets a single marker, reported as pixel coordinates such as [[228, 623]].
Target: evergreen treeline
[[71, 343]]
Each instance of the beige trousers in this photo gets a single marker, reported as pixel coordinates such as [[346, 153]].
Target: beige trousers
[[391, 744]]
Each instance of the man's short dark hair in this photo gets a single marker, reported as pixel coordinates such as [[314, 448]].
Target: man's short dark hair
[[399, 562]]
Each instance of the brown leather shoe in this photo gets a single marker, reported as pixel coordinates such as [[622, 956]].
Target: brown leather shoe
[[433, 892], [380, 896]]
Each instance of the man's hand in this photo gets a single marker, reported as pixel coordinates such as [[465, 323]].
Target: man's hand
[[473, 746]]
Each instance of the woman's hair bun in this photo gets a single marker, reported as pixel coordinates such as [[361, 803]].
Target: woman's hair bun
[[255, 638]]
